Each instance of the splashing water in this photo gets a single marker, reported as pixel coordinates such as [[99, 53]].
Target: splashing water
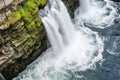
[[100, 13], [76, 48]]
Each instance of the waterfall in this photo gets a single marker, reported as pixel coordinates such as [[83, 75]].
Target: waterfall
[[58, 24], [77, 46]]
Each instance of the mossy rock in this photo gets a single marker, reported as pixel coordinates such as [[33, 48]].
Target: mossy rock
[[25, 32]]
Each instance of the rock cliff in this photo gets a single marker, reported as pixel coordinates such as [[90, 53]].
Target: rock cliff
[[21, 34]]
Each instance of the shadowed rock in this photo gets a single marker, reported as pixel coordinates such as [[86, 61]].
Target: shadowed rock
[[1, 77]]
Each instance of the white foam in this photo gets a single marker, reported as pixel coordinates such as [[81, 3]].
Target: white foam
[[99, 13]]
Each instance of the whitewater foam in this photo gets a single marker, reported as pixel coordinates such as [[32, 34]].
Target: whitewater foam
[[100, 13]]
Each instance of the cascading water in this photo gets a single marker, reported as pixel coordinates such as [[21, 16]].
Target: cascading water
[[57, 24], [79, 47]]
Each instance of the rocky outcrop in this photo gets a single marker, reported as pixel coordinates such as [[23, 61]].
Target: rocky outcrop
[[71, 5], [22, 35], [4, 3]]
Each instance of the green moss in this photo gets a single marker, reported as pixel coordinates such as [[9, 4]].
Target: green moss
[[26, 54], [31, 6], [15, 36], [14, 17], [32, 25], [38, 22], [0, 23], [43, 2], [29, 44], [26, 12], [22, 11]]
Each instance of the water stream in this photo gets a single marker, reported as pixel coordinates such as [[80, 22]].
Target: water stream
[[85, 48]]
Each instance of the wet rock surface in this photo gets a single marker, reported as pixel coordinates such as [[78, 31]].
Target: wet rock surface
[[71, 5]]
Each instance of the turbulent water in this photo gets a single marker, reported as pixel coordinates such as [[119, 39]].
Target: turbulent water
[[85, 48]]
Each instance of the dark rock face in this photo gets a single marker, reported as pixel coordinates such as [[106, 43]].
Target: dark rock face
[[71, 5], [1, 77]]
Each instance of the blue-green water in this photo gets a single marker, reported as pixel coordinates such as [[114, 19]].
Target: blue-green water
[[110, 67]]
